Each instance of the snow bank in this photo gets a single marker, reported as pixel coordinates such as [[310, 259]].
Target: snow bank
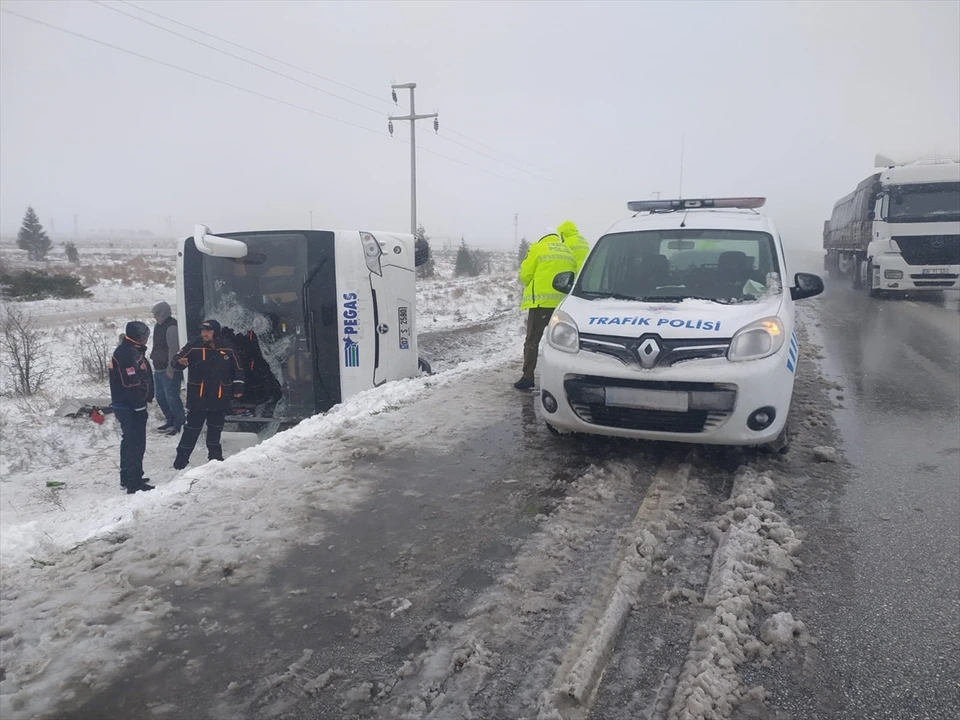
[[755, 555], [78, 588]]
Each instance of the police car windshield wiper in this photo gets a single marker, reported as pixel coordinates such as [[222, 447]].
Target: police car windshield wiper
[[597, 295], [681, 298]]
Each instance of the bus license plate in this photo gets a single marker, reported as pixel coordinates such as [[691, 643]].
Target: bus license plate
[[648, 399], [934, 271], [403, 324]]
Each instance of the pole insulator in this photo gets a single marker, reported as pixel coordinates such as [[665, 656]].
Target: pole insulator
[[394, 93], [390, 127], [436, 125]]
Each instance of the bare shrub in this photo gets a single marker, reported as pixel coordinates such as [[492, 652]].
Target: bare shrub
[[129, 270], [94, 345], [24, 346]]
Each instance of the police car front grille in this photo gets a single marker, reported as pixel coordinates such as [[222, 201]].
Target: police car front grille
[[711, 405], [673, 351]]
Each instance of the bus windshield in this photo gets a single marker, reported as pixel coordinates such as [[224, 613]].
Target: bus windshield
[[259, 301]]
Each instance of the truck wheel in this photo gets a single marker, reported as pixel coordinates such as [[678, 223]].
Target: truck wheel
[[868, 279], [857, 274], [424, 366]]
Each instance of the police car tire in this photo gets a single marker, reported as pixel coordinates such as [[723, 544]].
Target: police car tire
[[780, 446], [551, 429]]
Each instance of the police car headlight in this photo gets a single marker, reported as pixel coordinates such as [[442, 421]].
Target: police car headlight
[[757, 340], [562, 333]]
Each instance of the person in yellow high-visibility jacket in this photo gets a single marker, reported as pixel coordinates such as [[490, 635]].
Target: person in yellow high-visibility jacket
[[574, 240], [546, 258]]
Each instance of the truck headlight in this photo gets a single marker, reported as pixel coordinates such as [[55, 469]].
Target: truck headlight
[[893, 274], [371, 252], [562, 333], [757, 340]]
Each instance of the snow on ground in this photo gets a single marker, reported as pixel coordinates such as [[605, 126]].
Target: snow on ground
[[224, 522], [107, 295], [755, 556], [84, 566]]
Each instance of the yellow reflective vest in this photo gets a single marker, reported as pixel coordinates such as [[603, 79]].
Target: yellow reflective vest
[[546, 259], [574, 240]]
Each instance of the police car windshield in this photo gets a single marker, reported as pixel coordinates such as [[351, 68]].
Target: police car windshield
[[724, 266]]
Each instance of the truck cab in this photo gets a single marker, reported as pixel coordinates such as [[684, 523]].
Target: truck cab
[[316, 316], [915, 243]]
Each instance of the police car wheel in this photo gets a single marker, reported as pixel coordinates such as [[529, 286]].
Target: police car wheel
[[780, 446]]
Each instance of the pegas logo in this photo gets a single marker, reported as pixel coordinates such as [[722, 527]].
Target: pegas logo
[[350, 325]]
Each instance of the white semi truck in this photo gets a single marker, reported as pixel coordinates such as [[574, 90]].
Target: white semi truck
[[899, 231], [316, 316]]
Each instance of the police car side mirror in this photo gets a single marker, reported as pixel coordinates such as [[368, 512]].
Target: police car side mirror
[[563, 282], [807, 285]]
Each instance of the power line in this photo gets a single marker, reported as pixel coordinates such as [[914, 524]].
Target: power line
[[235, 57], [255, 52], [309, 72], [246, 90], [186, 70]]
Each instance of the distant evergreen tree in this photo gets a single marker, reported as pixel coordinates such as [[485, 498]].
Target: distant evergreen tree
[[523, 250], [32, 237], [465, 264]]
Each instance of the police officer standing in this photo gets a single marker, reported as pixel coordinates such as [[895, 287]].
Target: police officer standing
[[131, 389], [214, 378], [547, 258]]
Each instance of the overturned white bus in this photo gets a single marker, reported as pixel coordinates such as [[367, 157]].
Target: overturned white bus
[[315, 316]]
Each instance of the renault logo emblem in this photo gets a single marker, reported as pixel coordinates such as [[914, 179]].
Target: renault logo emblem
[[937, 243], [648, 351]]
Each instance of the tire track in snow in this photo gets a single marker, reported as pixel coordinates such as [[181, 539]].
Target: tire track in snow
[[578, 677]]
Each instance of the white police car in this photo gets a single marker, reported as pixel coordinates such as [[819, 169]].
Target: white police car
[[679, 327]]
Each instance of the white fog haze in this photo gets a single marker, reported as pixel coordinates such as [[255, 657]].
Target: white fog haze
[[579, 107]]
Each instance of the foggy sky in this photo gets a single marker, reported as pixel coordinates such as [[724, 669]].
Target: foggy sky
[[787, 100]]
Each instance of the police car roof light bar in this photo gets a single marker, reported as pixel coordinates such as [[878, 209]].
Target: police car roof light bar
[[742, 203]]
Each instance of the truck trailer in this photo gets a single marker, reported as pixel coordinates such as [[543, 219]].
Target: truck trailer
[[899, 230]]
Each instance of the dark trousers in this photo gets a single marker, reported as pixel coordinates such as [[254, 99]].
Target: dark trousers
[[133, 444], [191, 432], [168, 397], [537, 319]]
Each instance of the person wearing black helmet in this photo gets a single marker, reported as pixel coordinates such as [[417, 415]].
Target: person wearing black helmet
[[214, 378], [131, 390]]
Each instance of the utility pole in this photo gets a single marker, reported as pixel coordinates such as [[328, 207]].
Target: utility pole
[[412, 117], [311, 219], [516, 238]]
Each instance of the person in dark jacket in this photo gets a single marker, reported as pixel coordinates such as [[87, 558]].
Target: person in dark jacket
[[214, 378], [131, 390], [167, 377]]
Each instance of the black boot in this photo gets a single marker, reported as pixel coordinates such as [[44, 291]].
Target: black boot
[[215, 452], [142, 485], [523, 384], [172, 431], [182, 459], [165, 426]]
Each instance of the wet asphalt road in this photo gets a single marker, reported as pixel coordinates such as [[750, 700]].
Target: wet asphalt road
[[883, 595]]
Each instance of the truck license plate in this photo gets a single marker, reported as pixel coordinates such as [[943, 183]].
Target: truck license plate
[[648, 399], [934, 271]]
